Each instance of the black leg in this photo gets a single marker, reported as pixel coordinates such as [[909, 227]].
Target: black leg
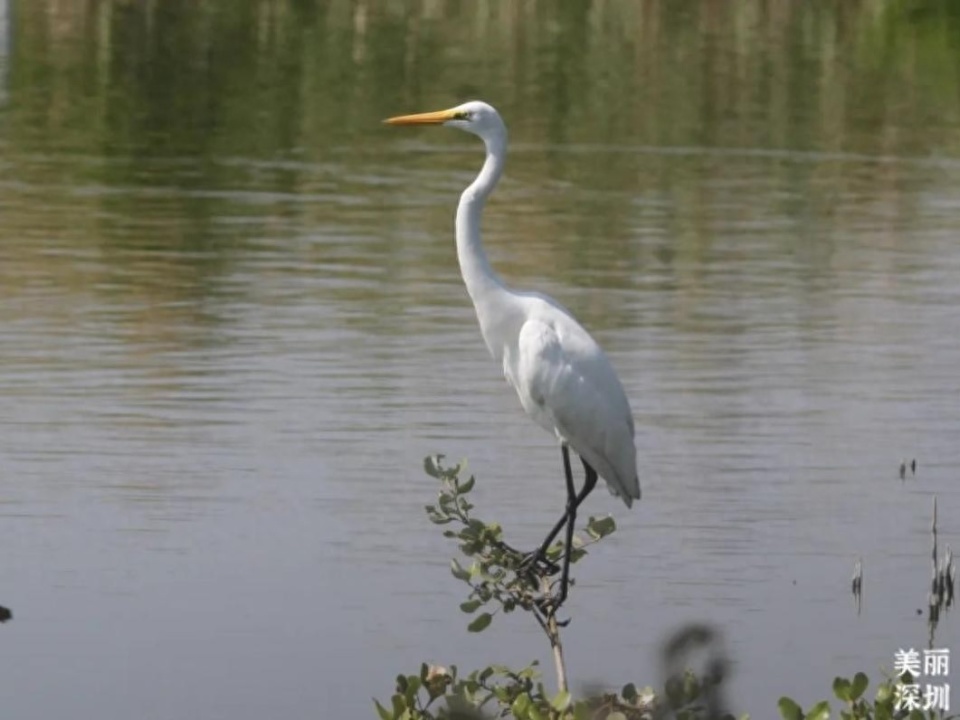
[[573, 503], [568, 519], [571, 496]]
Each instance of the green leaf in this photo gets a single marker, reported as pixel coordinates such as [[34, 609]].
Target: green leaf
[[383, 712], [399, 705], [561, 701], [401, 684], [431, 465], [691, 687], [841, 688], [458, 572], [606, 526], [789, 710], [581, 711], [467, 486], [884, 693], [859, 686], [480, 623], [534, 713], [470, 605], [528, 673], [601, 527], [674, 692], [820, 711], [476, 526], [616, 716], [629, 693], [521, 707], [413, 685], [424, 671]]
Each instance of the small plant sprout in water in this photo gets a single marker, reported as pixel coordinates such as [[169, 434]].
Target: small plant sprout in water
[[904, 465], [942, 580], [856, 584]]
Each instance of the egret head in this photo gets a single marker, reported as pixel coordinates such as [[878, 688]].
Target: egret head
[[475, 117]]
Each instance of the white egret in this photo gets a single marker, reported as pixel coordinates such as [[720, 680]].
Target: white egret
[[563, 378]]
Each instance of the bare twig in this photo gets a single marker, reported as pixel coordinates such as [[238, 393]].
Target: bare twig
[[552, 629]]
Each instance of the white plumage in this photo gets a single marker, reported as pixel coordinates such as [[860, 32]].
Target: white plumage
[[563, 378], [566, 384]]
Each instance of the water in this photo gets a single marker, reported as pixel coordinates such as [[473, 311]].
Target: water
[[232, 326]]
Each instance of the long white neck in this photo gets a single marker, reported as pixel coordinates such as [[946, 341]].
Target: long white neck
[[482, 282]]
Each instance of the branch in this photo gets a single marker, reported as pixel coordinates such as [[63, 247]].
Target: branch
[[552, 629]]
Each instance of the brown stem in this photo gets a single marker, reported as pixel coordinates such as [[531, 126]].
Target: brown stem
[[553, 633]]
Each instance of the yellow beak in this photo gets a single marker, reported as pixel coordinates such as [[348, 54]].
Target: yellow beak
[[428, 118]]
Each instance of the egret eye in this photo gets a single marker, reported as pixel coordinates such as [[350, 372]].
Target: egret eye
[[463, 115]]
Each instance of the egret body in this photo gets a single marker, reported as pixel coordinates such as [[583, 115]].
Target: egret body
[[563, 378]]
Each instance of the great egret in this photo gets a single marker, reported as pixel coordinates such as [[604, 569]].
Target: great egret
[[563, 378]]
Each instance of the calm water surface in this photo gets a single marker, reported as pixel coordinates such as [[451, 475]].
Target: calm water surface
[[232, 326]]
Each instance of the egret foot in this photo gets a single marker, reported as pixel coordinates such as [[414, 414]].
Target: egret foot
[[536, 562], [548, 606]]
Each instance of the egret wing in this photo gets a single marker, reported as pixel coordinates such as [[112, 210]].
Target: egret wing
[[566, 383]]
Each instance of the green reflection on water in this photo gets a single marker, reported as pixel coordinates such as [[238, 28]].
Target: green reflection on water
[[259, 77], [137, 126]]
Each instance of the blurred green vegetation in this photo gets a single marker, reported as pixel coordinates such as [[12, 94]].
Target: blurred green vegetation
[[265, 76]]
